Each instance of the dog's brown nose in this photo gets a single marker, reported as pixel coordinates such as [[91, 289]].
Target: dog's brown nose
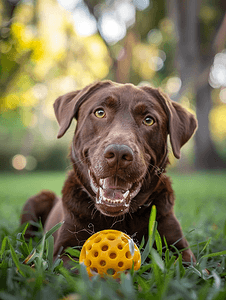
[[118, 155]]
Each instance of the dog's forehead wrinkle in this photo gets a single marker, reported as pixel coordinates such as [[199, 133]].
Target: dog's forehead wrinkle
[[111, 101]]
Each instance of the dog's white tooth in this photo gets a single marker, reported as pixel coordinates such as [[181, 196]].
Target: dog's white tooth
[[125, 194], [103, 183], [93, 186], [100, 198], [92, 183], [106, 199]]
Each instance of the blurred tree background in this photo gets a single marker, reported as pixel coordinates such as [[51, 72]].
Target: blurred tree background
[[50, 47]]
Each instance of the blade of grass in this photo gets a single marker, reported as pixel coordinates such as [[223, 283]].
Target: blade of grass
[[143, 283], [180, 271], [50, 247], [25, 228], [142, 243], [224, 230], [144, 268], [157, 259], [205, 246], [53, 229], [15, 259], [156, 270], [214, 254], [152, 226], [41, 252], [145, 253], [3, 247], [30, 257], [73, 252], [158, 242], [165, 243], [22, 245]]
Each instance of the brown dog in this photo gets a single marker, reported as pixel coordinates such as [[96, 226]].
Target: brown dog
[[119, 155]]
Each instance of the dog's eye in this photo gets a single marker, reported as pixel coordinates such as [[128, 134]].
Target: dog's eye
[[148, 121], [100, 113]]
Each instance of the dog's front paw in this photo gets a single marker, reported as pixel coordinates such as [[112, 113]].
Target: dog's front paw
[[188, 257]]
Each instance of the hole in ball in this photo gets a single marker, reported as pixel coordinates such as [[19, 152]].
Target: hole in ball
[[103, 263], [120, 264], [120, 246], [124, 240], [89, 247], [112, 255], [111, 237], [97, 240], [104, 248], [88, 262], [128, 254], [95, 253]]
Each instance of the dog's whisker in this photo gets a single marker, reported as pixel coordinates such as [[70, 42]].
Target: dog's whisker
[[91, 203], [118, 221], [130, 215], [93, 212], [156, 173], [74, 162]]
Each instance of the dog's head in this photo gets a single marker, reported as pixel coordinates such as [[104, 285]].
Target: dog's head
[[120, 138]]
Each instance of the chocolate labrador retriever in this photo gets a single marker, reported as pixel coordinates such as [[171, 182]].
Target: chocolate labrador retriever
[[119, 154]]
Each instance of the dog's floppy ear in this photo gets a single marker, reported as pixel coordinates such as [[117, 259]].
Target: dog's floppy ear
[[66, 106], [182, 124]]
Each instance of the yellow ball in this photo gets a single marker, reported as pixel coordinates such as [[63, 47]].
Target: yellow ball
[[109, 252]]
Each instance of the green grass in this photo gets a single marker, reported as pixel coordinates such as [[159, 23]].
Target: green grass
[[17, 188], [200, 208]]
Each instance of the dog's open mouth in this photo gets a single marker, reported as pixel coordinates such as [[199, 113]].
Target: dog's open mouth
[[113, 195]]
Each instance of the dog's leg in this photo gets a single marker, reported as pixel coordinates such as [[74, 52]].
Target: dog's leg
[[37, 208], [169, 227]]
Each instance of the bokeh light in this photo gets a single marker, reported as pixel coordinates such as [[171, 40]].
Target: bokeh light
[[40, 91], [31, 163], [19, 162], [141, 4], [126, 12], [85, 23], [111, 28], [173, 85], [217, 77], [155, 37], [156, 63]]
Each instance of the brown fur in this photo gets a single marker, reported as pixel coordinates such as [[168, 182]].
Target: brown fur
[[122, 153]]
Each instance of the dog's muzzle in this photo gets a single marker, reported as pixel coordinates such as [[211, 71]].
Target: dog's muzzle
[[113, 195]]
